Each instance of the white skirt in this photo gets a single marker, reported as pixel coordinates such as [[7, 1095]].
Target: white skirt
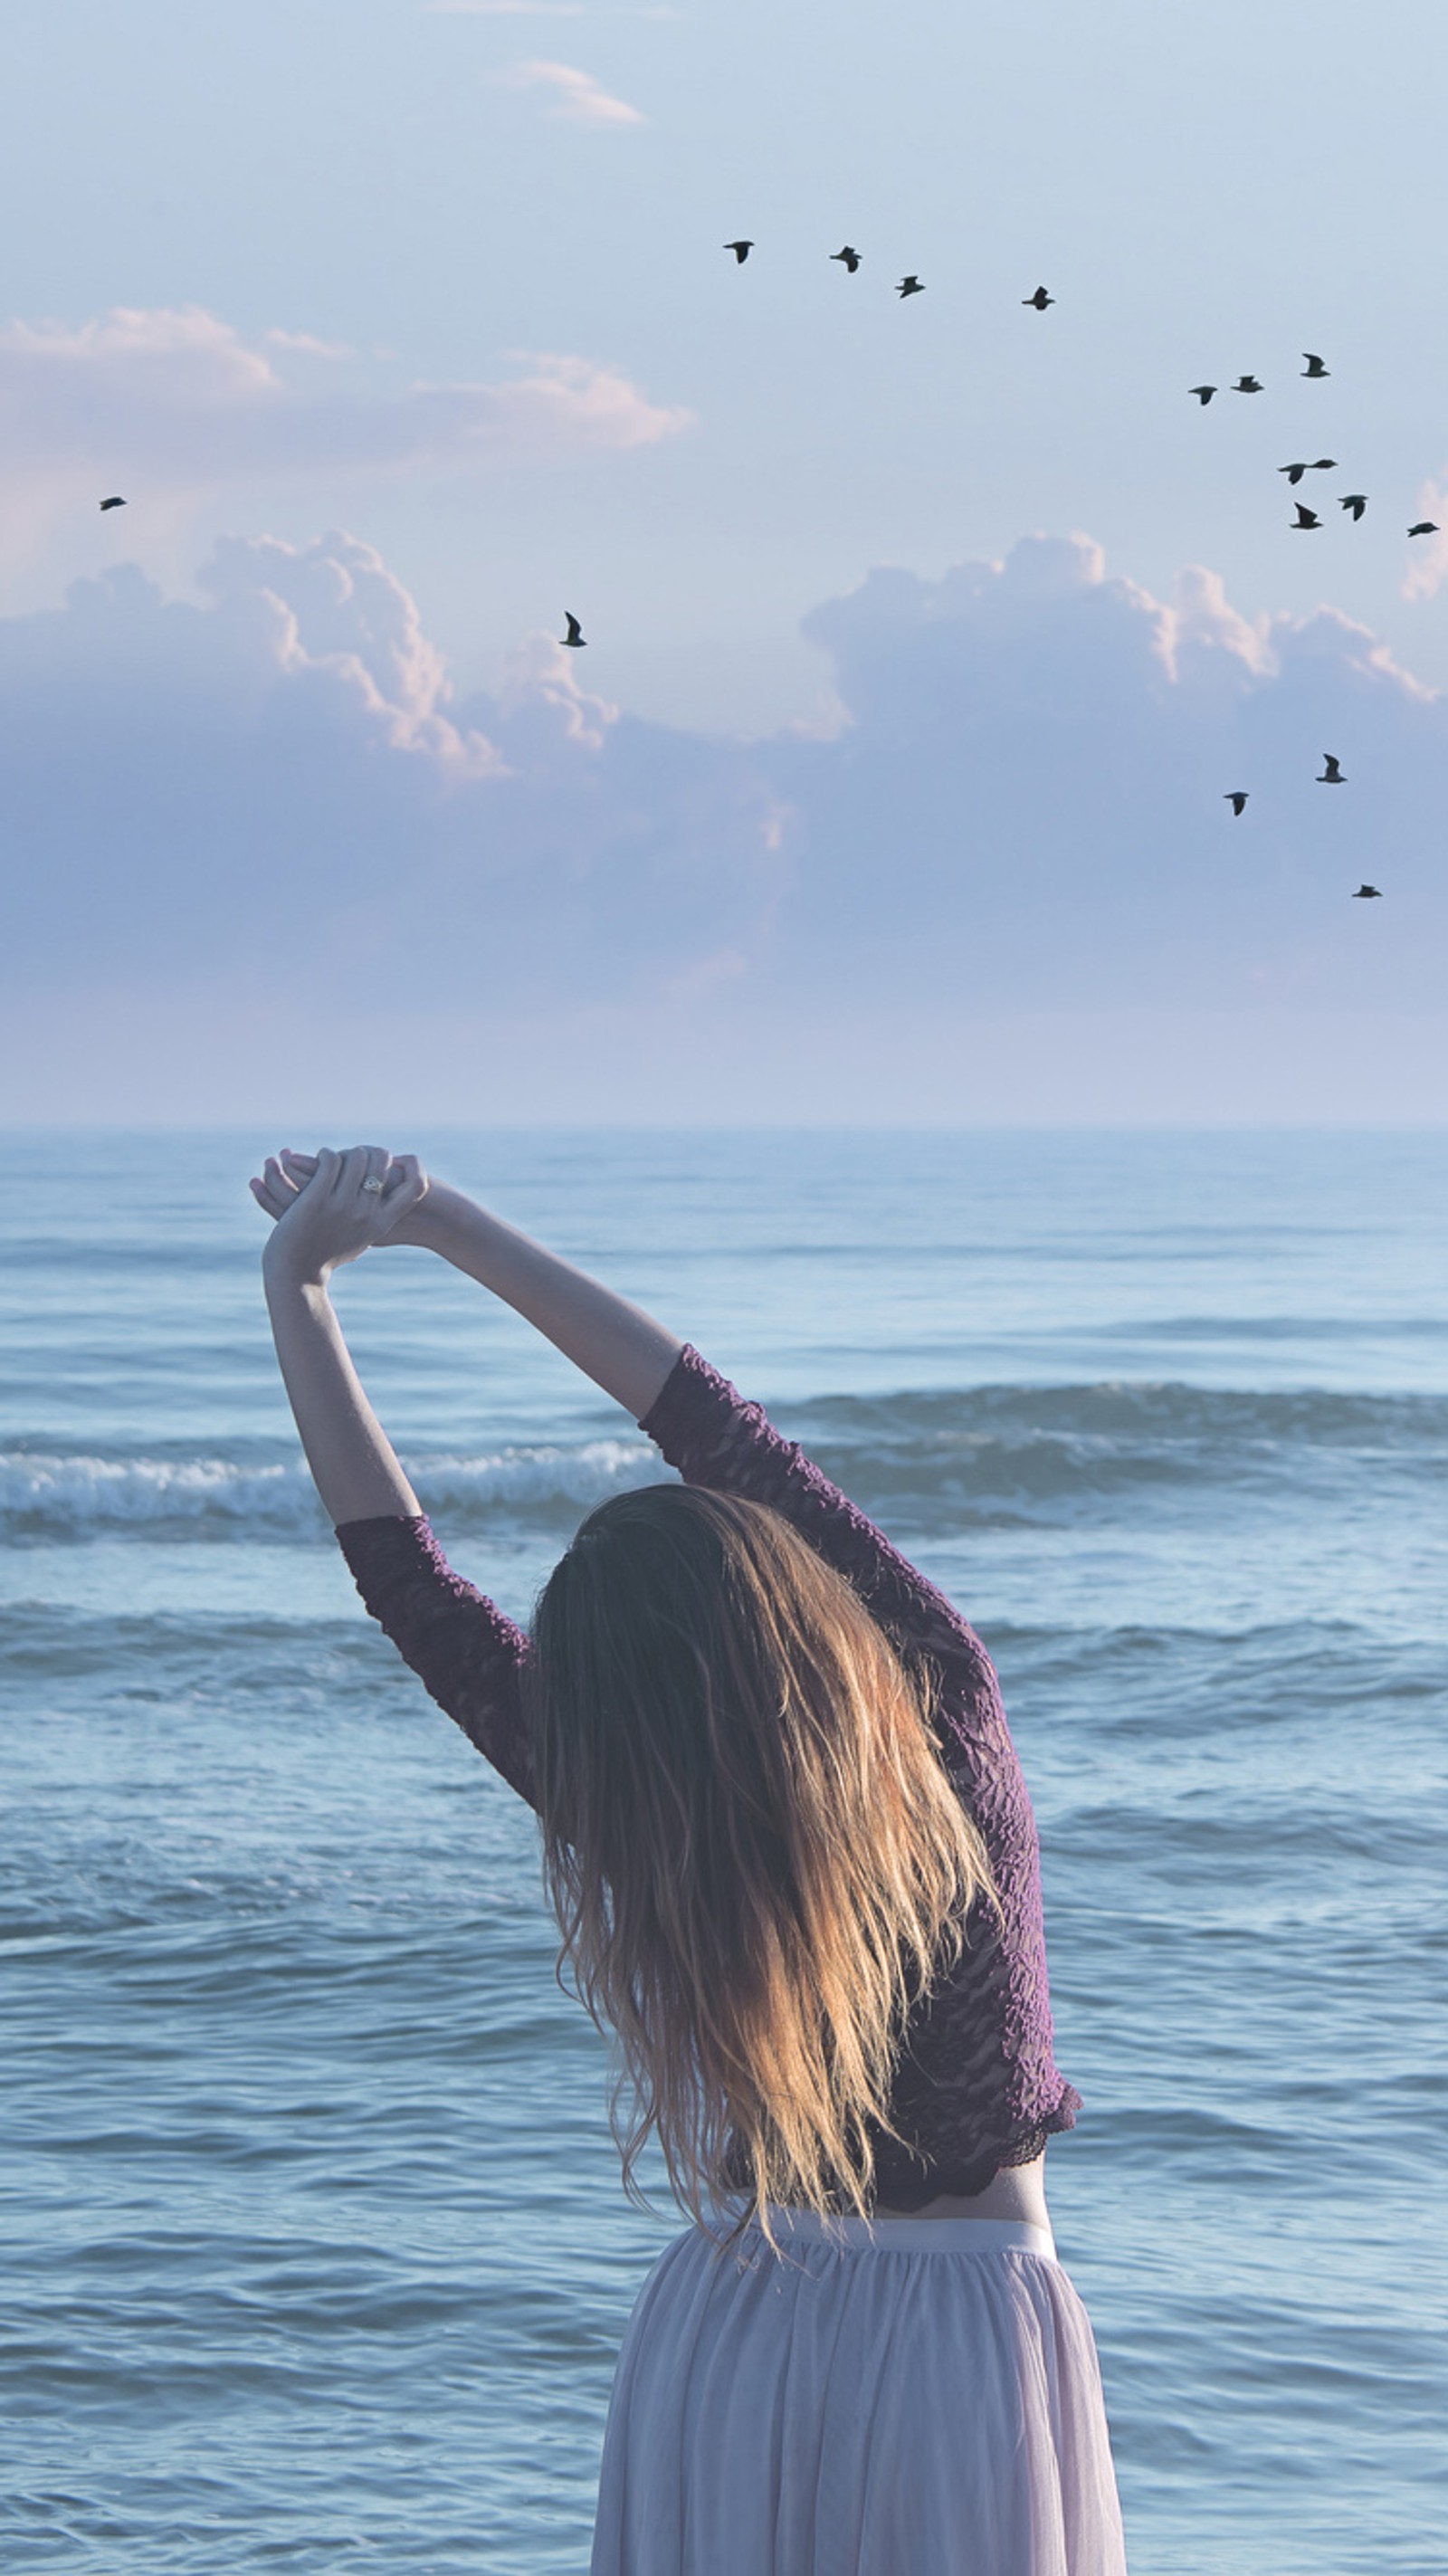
[[902, 2397]]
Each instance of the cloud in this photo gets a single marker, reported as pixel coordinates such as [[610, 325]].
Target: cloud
[[307, 345], [1009, 877], [152, 402], [1038, 758], [576, 95], [278, 789]]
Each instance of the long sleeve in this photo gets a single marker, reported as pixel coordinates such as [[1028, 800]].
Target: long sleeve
[[467, 1654], [976, 2087], [714, 1437]]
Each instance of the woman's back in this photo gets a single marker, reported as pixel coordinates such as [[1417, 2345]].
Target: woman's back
[[976, 2092]]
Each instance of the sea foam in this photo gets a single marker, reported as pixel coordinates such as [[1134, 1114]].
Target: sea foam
[[79, 1495]]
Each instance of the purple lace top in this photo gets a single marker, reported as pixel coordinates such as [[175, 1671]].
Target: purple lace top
[[976, 2087]]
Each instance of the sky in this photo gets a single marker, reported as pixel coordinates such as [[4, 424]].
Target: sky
[[925, 636]]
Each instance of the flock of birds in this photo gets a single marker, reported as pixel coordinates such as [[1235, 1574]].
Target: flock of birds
[[1315, 372]]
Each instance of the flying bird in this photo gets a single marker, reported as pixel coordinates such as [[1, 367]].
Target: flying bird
[[1246, 385], [1294, 473], [1332, 775], [910, 286], [850, 257], [575, 634], [741, 250], [1236, 797], [1357, 502], [1424, 528], [1305, 518], [1040, 299], [114, 503], [1323, 464], [1314, 366], [1363, 893], [1203, 393]]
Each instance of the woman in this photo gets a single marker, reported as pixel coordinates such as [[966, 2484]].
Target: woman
[[795, 1870]]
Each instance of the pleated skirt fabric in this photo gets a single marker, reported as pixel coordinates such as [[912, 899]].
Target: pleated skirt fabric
[[902, 2397]]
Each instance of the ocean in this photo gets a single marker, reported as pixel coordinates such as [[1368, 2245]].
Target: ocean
[[315, 2253]]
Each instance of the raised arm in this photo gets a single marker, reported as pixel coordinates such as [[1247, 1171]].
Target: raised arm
[[622, 1349], [345, 1206], [464, 1650]]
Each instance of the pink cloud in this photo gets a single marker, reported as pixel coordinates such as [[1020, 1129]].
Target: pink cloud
[[179, 402], [576, 95]]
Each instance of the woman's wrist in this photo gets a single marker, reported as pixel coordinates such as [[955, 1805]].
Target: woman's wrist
[[284, 1275], [432, 1225]]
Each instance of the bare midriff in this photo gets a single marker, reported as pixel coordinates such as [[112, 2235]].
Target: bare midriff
[[1017, 2191]]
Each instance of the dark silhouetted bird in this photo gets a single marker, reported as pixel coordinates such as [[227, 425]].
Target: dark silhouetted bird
[[1314, 366], [1040, 299], [741, 250], [1305, 518], [910, 286], [575, 634], [1246, 385], [850, 257], [1236, 797], [1332, 775], [1323, 464], [1424, 528], [1357, 502], [114, 503], [1203, 393], [1364, 894], [1294, 473]]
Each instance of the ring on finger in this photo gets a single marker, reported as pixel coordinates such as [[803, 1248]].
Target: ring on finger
[[373, 1185]]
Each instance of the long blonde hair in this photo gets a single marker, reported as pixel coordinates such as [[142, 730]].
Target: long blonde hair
[[755, 1857]]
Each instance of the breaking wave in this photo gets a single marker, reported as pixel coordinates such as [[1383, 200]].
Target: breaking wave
[[55, 1496], [981, 1453]]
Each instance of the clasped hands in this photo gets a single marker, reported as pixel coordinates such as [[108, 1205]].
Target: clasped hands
[[329, 1208]]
